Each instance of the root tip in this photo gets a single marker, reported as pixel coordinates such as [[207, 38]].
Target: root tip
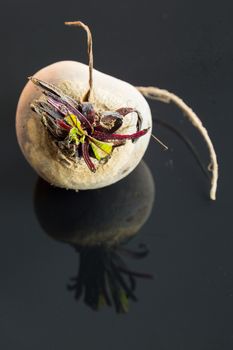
[[213, 196]]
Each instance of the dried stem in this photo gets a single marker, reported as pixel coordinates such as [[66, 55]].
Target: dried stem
[[167, 97], [90, 54]]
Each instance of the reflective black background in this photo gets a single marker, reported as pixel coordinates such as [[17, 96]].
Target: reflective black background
[[186, 47]]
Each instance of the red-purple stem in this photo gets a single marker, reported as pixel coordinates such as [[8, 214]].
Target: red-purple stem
[[63, 125], [86, 157], [56, 102], [104, 136]]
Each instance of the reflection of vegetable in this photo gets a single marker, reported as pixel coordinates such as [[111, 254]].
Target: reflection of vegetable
[[104, 216], [97, 223], [103, 277]]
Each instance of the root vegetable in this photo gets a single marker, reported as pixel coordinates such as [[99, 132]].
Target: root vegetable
[[83, 129], [84, 157]]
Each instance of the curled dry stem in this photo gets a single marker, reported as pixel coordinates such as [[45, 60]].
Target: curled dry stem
[[168, 97], [89, 52]]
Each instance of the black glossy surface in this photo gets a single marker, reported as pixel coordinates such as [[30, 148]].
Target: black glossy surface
[[186, 47]]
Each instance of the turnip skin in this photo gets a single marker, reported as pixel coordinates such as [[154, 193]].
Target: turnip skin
[[108, 94]]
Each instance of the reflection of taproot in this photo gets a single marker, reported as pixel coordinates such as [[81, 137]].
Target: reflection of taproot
[[107, 215]]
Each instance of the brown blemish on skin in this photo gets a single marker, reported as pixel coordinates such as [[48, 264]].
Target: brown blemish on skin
[[125, 171]]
